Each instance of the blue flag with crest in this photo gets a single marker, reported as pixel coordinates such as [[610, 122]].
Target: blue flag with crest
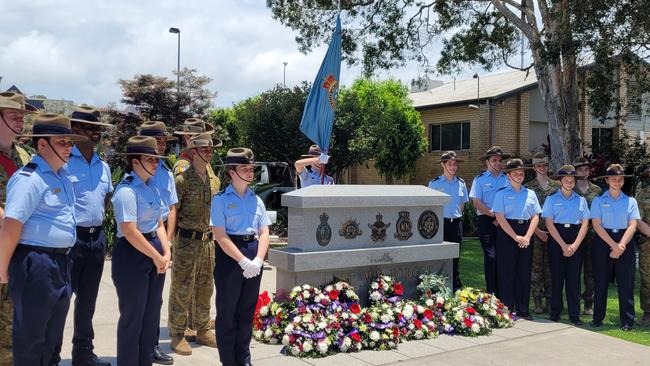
[[318, 116]]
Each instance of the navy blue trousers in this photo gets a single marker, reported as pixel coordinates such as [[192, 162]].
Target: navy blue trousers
[[623, 268], [487, 233], [88, 257], [236, 299], [139, 292], [565, 272], [514, 266], [39, 285], [453, 232]]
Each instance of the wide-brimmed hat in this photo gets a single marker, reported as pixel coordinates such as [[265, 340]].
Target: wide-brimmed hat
[[16, 101], [494, 151], [540, 158], [53, 125], [195, 126], [239, 156], [449, 155], [201, 140], [567, 171], [314, 152], [515, 164], [581, 161], [142, 145], [155, 129], [88, 115], [615, 170]]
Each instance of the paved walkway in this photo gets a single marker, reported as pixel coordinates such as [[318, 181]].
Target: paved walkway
[[539, 342]]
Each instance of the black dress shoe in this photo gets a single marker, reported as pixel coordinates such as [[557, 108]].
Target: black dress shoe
[[161, 358], [627, 327], [596, 323], [554, 318], [577, 322], [525, 316], [89, 360]]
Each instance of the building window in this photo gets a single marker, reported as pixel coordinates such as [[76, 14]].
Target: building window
[[601, 140], [449, 136]]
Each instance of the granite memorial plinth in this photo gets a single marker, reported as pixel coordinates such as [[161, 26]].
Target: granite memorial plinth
[[355, 232]]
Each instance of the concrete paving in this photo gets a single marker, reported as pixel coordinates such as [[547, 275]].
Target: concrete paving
[[538, 342]]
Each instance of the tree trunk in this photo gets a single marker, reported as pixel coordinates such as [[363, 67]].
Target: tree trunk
[[389, 179]]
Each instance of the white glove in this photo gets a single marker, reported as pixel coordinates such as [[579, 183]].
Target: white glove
[[245, 265], [323, 158], [256, 267]]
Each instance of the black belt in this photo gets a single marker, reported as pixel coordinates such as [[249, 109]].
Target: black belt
[[452, 220], [89, 230], [568, 226], [615, 230], [518, 221], [244, 238], [34, 248], [150, 236], [194, 235]]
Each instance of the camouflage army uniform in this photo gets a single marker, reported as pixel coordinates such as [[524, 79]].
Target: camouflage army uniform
[[540, 280], [587, 270], [643, 200], [192, 278], [20, 158]]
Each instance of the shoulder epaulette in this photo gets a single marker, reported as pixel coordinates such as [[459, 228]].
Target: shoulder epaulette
[[127, 180], [460, 179], [28, 169], [434, 179], [164, 164], [502, 188], [221, 192]]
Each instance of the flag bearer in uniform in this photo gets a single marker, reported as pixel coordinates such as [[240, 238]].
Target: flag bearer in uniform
[[37, 235], [517, 210], [91, 179], [541, 276], [141, 255], [567, 219], [241, 227], [455, 187], [482, 192], [193, 255], [614, 216], [13, 110], [315, 160]]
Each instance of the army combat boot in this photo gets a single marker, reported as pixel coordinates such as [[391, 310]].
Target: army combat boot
[[206, 338], [180, 346]]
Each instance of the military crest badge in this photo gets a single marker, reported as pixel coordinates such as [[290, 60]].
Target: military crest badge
[[378, 229], [428, 224], [403, 226], [323, 231]]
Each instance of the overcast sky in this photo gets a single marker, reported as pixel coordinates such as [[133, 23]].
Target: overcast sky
[[78, 49]]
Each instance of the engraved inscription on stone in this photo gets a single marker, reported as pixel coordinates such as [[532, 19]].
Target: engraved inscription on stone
[[428, 224], [403, 226], [378, 229], [323, 231], [350, 229]]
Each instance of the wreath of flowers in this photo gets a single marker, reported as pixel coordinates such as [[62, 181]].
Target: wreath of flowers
[[434, 287], [269, 322], [380, 328], [308, 299], [488, 306], [385, 290], [341, 296], [465, 320], [308, 335], [416, 322]]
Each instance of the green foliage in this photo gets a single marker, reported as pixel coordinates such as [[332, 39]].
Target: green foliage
[[470, 220], [110, 228], [227, 128], [434, 285]]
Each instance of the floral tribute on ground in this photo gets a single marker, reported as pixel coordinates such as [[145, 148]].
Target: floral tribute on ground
[[316, 322]]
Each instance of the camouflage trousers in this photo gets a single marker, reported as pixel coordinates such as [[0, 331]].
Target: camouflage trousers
[[540, 279], [587, 270], [644, 274], [6, 320], [192, 285]]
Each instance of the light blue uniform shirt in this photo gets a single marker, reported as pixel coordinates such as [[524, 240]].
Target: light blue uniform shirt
[[514, 205], [43, 201], [164, 180], [92, 182], [309, 178], [485, 187], [139, 202], [614, 213], [564, 210], [238, 215], [456, 189]]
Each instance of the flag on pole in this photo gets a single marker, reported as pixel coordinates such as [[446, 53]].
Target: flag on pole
[[318, 116]]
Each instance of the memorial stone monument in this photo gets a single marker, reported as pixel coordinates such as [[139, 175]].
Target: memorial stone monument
[[355, 232]]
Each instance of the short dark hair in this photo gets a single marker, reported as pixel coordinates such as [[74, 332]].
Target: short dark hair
[[129, 162]]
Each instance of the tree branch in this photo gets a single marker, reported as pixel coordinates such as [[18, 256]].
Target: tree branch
[[528, 31]]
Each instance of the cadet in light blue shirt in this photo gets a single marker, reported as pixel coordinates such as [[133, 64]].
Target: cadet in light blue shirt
[[141, 256], [455, 187], [36, 236], [484, 187], [315, 160], [567, 221], [241, 228], [92, 184], [614, 216], [517, 211]]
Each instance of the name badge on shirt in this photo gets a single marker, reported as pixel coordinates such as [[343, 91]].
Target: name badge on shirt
[[56, 190], [487, 185], [231, 205], [606, 205], [510, 197], [558, 204]]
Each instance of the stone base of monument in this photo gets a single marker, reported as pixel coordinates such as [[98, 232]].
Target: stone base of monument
[[359, 267], [354, 233]]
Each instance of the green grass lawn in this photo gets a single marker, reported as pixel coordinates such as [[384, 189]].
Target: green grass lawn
[[471, 272]]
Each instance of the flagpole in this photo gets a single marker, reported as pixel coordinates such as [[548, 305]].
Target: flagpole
[[322, 171]]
